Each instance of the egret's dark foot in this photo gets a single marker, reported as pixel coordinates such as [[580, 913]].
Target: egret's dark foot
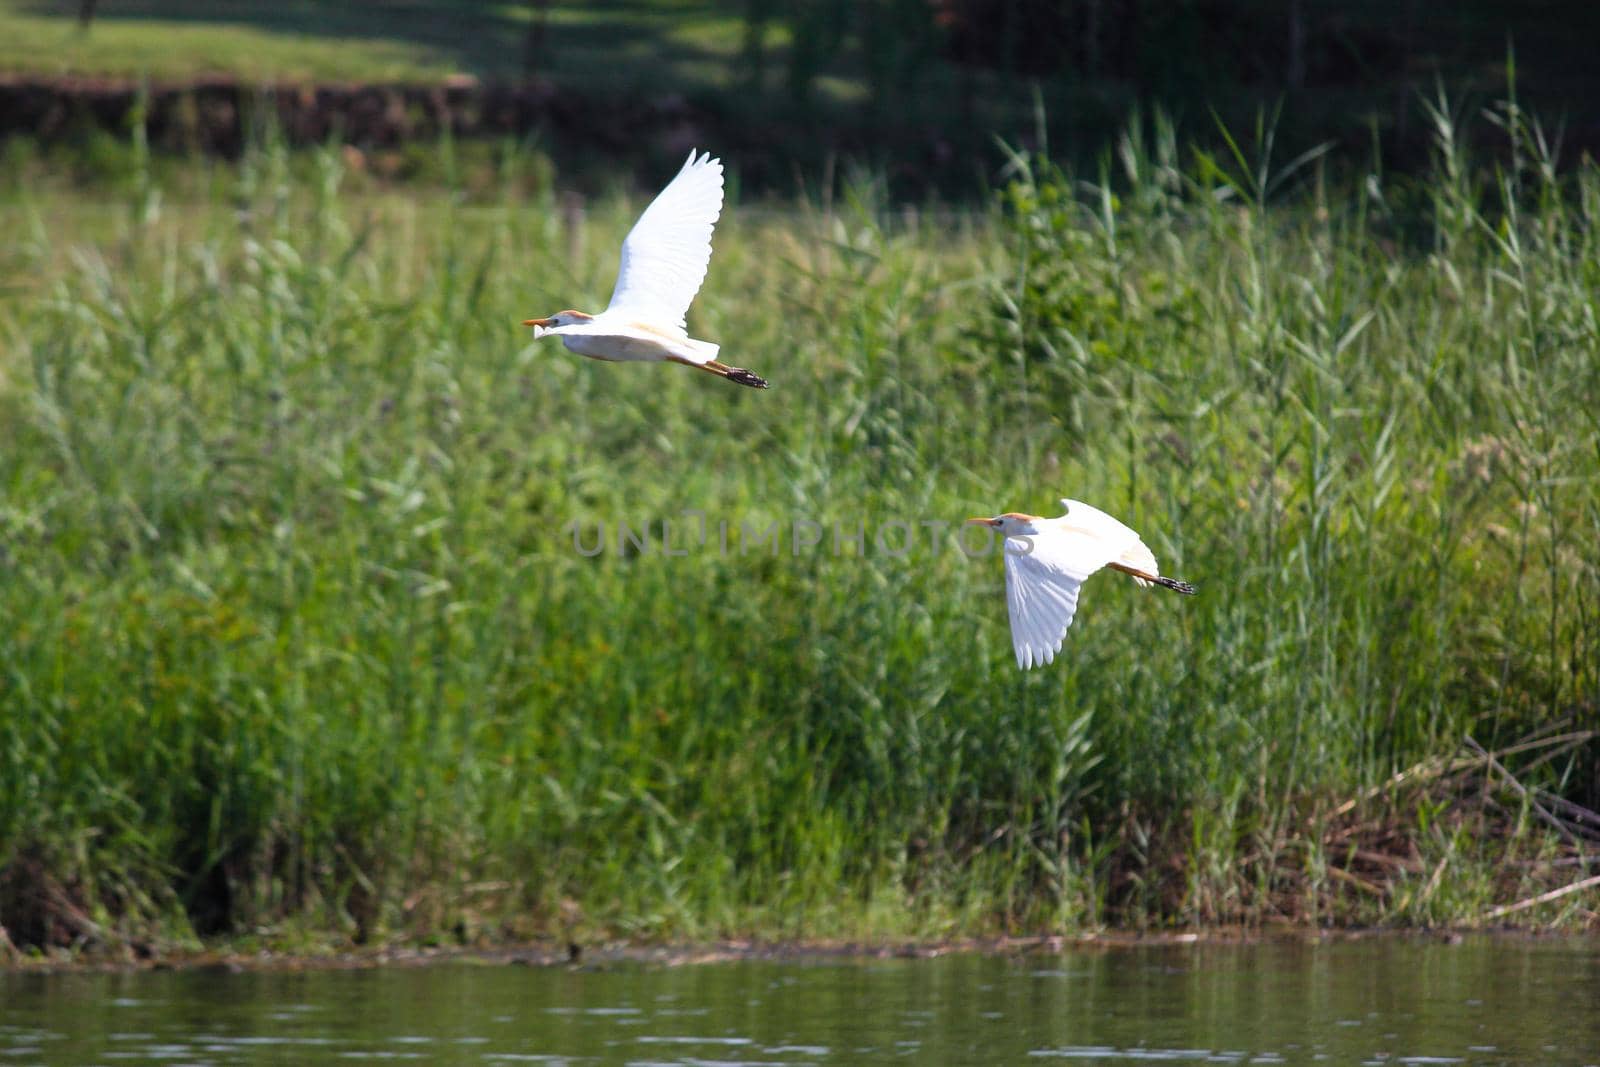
[[1176, 584], [744, 377]]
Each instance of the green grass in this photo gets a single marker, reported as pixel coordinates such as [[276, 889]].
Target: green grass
[[299, 644], [616, 45], [174, 44]]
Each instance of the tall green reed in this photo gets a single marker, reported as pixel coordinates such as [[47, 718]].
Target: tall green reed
[[304, 640]]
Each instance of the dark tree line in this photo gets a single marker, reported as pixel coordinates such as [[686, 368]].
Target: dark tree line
[[1174, 46]]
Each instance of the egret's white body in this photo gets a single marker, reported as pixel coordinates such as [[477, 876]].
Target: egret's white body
[[1048, 559], [664, 260]]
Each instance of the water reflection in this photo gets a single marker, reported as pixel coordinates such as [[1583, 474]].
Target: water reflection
[[1384, 1001]]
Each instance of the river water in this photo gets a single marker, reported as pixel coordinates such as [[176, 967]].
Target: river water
[[1385, 1001]]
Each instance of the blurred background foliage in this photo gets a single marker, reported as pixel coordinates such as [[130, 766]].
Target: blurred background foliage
[[914, 88]]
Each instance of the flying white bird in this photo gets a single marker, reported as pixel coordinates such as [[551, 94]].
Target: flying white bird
[[664, 259], [1048, 559]]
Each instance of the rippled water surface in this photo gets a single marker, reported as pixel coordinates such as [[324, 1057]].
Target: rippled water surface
[[1384, 1001]]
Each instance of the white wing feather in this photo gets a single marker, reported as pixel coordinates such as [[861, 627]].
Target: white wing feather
[[1042, 598], [1045, 571], [665, 255]]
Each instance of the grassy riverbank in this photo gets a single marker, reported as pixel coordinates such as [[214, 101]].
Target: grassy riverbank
[[665, 43], [300, 644]]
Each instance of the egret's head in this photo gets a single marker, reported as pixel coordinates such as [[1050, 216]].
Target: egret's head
[[556, 321], [1011, 524]]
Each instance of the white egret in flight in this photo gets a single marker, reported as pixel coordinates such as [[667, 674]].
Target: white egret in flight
[[1048, 559], [664, 260]]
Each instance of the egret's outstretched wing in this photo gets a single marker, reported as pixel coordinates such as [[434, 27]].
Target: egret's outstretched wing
[[1041, 596], [1044, 572], [665, 255]]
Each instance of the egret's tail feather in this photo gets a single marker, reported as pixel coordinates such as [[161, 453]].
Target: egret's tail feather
[[1177, 585]]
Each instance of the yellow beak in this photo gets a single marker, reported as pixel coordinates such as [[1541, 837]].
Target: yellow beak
[[982, 522], [536, 322]]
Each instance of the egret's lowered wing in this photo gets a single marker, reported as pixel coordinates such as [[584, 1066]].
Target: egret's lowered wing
[[1042, 598], [1045, 571]]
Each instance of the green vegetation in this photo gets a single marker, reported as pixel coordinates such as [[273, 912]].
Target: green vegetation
[[188, 41], [666, 45], [299, 644], [910, 87]]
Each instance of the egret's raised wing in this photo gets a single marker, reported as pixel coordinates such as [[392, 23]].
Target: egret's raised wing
[[665, 255], [1045, 570], [1120, 542]]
